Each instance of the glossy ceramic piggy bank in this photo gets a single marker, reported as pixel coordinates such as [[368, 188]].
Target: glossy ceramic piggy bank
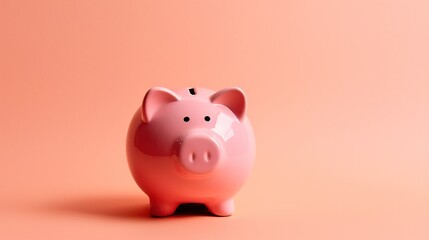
[[191, 146]]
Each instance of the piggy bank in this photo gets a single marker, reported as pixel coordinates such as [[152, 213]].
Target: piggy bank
[[192, 145]]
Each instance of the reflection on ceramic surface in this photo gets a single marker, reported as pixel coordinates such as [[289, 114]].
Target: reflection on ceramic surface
[[193, 145]]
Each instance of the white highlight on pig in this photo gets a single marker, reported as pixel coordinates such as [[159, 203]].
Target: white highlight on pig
[[224, 126]]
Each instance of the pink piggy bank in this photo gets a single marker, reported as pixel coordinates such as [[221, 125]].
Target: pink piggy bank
[[191, 146]]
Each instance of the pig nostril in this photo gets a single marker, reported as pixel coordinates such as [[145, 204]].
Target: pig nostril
[[192, 157], [207, 156]]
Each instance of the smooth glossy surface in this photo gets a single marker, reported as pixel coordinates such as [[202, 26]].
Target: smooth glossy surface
[[337, 93], [193, 145]]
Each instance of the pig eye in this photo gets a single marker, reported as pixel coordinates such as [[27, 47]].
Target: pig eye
[[207, 118], [186, 119]]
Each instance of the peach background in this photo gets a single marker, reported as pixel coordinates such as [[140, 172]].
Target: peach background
[[338, 95]]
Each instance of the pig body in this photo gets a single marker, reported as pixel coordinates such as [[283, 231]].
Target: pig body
[[193, 145]]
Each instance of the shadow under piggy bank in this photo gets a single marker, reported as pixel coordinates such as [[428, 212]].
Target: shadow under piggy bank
[[120, 207]]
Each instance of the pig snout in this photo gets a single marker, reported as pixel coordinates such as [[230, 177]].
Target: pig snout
[[200, 153]]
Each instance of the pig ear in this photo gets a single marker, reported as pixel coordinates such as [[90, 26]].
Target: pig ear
[[233, 98], [154, 99]]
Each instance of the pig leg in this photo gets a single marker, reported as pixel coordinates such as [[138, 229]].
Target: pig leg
[[162, 208], [222, 208]]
